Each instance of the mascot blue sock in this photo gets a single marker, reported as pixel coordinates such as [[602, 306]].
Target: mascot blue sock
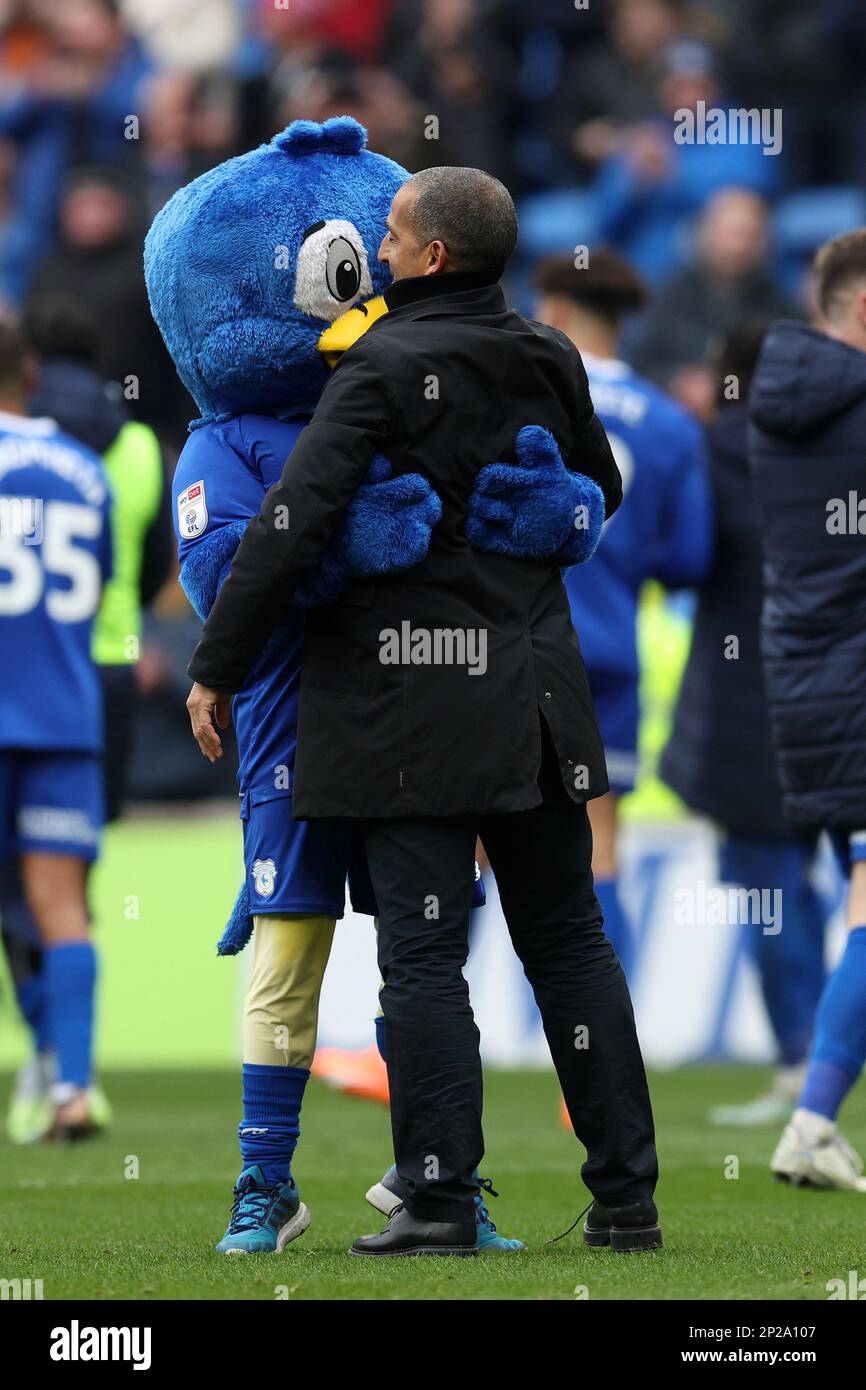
[[840, 1033], [269, 1131]]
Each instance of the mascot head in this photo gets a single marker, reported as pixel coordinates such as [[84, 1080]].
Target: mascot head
[[249, 265]]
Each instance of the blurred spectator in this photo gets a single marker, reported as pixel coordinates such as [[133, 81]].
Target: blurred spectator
[[807, 59], [728, 281], [95, 77], [68, 103], [354, 27], [99, 264], [330, 86], [649, 188], [192, 36], [459, 70], [192, 124], [536, 104], [615, 84]]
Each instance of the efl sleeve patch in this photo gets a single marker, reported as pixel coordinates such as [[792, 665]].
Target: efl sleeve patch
[[192, 511]]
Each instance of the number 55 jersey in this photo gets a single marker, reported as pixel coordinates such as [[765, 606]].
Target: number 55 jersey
[[55, 557]]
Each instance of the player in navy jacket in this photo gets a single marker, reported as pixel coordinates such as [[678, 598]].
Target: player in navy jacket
[[807, 455]]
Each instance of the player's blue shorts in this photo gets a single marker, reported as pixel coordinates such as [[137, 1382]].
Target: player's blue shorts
[[848, 847], [51, 803], [616, 704], [297, 866]]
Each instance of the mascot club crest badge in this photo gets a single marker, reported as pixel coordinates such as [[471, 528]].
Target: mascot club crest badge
[[264, 877], [192, 511]]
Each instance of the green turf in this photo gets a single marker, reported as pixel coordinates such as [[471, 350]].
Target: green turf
[[74, 1220]]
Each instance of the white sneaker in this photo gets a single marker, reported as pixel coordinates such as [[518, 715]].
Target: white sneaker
[[771, 1108], [30, 1114], [812, 1153]]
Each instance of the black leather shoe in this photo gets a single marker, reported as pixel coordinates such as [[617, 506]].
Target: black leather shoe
[[406, 1235], [634, 1227]]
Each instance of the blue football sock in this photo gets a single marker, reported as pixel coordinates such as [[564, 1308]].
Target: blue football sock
[[840, 1032], [33, 1003], [616, 927], [70, 984], [271, 1125], [380, 1037]]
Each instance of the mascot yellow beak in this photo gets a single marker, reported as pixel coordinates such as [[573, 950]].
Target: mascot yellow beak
[[348, 328]]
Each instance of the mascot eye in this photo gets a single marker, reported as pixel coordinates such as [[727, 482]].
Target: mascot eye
[[332, 271], [343, 269]]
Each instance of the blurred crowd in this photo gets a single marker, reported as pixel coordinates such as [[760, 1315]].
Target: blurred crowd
[[108, 106]]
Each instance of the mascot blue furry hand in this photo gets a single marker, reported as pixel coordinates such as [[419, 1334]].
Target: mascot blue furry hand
[[260, 272]]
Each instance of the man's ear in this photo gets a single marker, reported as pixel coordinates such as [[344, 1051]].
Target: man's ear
[[437, 258]]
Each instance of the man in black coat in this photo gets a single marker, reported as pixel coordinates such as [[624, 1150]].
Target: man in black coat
[[450, 701], [807, 453]]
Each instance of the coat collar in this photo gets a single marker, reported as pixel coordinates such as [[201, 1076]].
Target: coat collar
[[455, 292]]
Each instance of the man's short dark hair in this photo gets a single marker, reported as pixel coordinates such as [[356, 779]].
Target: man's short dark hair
[[606, 286], [840, 266], [471, 212], [13, 351]]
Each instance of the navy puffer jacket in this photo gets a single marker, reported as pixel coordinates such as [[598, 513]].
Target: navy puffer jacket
[[807, 453], [719, 757]]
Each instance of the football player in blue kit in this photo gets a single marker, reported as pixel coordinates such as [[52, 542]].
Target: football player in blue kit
[[662, 530], [55, 558]]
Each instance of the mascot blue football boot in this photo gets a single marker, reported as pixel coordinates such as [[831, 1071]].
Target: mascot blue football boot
[[387, 1194], [264, 1219]]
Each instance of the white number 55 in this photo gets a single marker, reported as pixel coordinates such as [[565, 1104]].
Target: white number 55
[[64, 523]]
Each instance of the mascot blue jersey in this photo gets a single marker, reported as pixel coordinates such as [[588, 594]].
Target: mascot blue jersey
[[55, 557], [663, 529], [221, 479]]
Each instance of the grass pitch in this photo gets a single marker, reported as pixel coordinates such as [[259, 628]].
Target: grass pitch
[[74, 1219]]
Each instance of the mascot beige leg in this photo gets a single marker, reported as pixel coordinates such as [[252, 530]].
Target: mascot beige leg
[[281, 1013]]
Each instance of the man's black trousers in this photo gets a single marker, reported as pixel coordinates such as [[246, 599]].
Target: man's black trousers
[[422, 872]]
